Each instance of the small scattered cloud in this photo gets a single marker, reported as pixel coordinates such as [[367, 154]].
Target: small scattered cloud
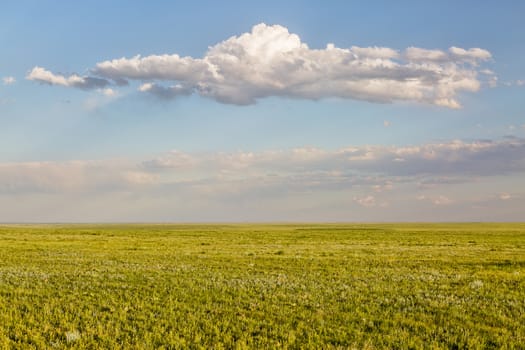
[[271, 61], [510, 83], [474, 55], [504, 196], [367, 201], [386, 123], [439, 200], [442, 200], [109, 92], [163, 92], [417, 54], [9, 80], [386, 186], [438, 181], [370, 201]]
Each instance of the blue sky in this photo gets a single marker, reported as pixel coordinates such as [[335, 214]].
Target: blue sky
[[262, 111]]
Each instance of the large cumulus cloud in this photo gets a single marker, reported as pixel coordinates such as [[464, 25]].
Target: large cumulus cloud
[[271, 61]]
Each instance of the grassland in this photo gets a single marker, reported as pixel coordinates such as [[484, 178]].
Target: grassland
[[395, 286]]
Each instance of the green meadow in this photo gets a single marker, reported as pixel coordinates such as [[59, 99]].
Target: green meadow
[[293, 286]]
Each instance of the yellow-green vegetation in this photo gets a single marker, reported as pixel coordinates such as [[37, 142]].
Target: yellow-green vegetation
[[395, 286]]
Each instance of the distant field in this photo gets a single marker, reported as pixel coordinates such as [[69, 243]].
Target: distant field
[[394, 286]]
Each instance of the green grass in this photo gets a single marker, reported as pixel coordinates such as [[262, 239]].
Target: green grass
[[394, 286]]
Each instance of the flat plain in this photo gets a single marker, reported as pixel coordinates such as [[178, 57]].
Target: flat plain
[[363, 286]]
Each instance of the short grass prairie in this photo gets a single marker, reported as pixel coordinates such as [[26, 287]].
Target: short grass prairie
[[363, 286]]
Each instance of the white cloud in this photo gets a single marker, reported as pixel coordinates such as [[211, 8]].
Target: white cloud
[[46, 77], [370, 201], [9, 80], [442, 200], [371, 52], [504, 196], [473, 55], [109, 92], [511, 83], [367, 201], [438, 200], [271, 61], [455, 54], [160, 67], [387, 186], [166, 92], [416, 54]]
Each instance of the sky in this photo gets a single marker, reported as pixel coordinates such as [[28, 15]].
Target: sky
[[243, 111]]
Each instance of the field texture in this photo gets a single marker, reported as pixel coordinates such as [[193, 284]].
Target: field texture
[[263, 286]]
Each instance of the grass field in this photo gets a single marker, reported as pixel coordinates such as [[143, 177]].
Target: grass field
[[395, 286]]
